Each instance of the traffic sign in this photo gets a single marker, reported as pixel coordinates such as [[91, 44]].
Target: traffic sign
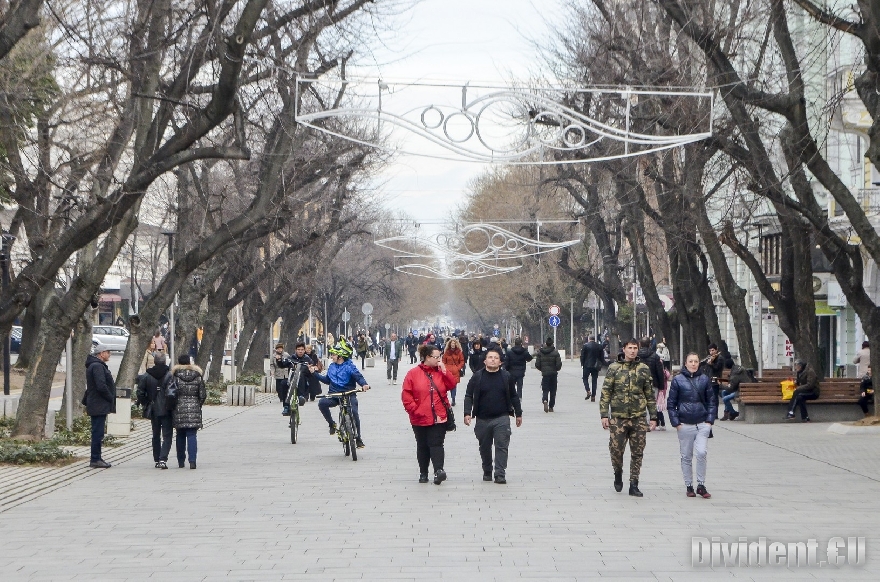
[[367, 308], [554, 320], [387, 326], [346, 315], [554, 310]]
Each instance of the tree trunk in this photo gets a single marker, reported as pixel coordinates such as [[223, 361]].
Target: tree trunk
[[30, 326], [82, 347], [254, 363]]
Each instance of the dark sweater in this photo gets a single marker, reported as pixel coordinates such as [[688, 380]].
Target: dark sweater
[[493, 400]]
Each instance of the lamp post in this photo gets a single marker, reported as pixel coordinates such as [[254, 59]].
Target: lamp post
[[5, 259], [760, 303], [170, 236]]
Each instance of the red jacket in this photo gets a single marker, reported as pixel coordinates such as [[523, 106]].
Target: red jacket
[[454, 362], [416, 394]]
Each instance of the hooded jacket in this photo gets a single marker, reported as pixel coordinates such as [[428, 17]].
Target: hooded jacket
[[425, 405], [191, 395], [151, 391], [100, 396], [691, 399], [342, 377], [517, 358], [548, 360], [655, 365]]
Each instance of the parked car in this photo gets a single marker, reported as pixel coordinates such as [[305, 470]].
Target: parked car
[[15, 339], [111, 335]]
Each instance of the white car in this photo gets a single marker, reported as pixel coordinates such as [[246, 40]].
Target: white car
[[111, 335]]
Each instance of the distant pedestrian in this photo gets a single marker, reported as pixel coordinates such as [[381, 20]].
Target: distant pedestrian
[[191, 395], [279, 367], [425, 398], [478, 354], [863, 358], [592, 358], [866, 393], [99, 400], [692, 411], [159, 341], [549, 362], [152, 398], [627, 394], [491, 398], [362, 348], [411, 343], [454, 360], [517, 359], [393, 352], [663, 354]]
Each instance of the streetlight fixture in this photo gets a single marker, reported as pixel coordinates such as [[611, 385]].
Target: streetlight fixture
[[170, 235], [760, 224], [5, 259]]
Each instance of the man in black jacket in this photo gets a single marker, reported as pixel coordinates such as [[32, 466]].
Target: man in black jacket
[[99, 400], [592, 356], [649, 357], [491, 398], [515, 364], [151, 396]]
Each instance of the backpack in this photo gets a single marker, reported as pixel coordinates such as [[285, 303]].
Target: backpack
[[170, 391]]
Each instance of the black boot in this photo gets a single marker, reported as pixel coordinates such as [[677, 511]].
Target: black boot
[[618, 481], [634, 489]]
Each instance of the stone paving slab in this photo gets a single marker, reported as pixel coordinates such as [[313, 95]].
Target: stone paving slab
[[259, 508]]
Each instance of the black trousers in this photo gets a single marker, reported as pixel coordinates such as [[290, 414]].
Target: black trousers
[[161, 437], [518, 381], [429, 446], [799, 400], [281, 387], [591, 377], [864, 401], [548, 387]]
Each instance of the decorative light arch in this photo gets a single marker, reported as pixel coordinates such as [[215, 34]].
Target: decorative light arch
[[491, 124]]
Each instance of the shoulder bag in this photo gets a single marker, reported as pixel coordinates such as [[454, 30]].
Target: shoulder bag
[[449, 425]]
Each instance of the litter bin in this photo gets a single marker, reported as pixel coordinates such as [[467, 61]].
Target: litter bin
[[119, 424]]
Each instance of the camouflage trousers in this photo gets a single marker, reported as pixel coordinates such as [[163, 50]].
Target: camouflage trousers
[[633, 430]]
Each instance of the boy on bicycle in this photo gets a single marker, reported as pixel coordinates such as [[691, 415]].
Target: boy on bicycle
[[342, 376]]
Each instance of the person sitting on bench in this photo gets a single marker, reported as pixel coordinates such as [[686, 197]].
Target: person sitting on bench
[[866, 392], [806, 388]]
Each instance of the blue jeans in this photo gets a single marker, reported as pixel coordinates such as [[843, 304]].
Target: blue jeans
[[187, 444], [325, 404], [727, 397], [98, 424]]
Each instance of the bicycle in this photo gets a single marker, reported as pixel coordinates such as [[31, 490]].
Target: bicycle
[[292, 400], [346, 428]]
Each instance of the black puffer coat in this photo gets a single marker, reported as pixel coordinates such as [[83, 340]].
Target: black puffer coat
[[100, 396], [191, 395], [691, 399], [517, 358]]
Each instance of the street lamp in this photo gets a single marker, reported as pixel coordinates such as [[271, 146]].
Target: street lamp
[[170, 235], [5, 259], [760, 224]]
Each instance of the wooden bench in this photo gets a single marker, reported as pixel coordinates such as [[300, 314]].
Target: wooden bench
[[761, 402]]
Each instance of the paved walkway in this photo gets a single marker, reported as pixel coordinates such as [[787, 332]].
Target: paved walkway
[[259, 508]]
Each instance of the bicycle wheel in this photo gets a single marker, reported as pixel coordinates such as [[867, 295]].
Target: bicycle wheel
[[294, 425], [352, 435]]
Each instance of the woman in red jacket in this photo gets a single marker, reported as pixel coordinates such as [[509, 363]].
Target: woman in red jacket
[[453, 359], [424, 398]]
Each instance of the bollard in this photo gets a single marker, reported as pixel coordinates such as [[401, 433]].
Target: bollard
[[119, 424]]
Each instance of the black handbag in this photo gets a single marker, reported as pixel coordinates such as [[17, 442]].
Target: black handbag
[[449, 425]]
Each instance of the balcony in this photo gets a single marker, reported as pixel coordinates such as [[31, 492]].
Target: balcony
[[869, 198]]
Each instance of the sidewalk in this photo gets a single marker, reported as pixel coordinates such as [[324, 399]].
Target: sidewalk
[[260, 508]]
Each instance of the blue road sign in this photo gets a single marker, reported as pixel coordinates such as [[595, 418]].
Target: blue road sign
[[554, 321]]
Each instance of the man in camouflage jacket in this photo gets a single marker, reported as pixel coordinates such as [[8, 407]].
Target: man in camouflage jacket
[[627, 393]]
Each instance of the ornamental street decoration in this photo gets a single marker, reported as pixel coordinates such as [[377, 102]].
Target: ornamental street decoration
[[502, 125], [472, 251]]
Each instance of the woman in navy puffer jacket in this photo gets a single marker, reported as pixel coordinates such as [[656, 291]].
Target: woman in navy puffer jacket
[[692, 408]]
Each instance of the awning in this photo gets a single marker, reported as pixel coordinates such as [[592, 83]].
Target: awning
[[823, 309], [110, 298]]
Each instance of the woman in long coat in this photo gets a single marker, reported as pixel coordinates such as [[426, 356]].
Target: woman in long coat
[[453, 359]]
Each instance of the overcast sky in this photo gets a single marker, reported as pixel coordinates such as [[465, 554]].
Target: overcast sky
[[460, 41]]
